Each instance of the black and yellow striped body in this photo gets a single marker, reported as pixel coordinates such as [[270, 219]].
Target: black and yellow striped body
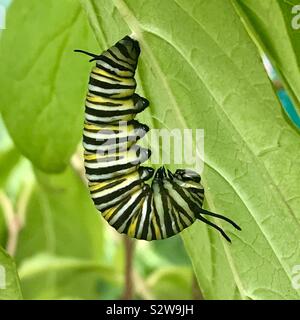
[[117, 181]]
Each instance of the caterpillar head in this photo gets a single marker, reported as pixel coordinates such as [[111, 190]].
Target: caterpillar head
[[187, 175], [187, 178], [146, 173]]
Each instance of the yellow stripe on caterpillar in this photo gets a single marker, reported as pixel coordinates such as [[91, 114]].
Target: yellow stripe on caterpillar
[[132, 228], [106, 74]]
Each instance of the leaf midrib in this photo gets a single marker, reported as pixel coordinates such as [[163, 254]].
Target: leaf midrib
[[182, 120]]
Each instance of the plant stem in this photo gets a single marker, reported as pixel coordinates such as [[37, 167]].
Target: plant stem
[[196, 291], [15, 219], [141, 287], [129, 251]]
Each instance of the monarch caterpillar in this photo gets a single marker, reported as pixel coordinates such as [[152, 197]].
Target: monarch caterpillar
[[117, 182]]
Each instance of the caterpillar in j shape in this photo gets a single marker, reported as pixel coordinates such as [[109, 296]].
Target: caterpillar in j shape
[[117, 181]]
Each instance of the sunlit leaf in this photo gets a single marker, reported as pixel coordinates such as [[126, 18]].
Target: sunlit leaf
[[200, 69], [274, 25], [171, 283], [9, 280], [42, 79], [8, 160], [61, 221]]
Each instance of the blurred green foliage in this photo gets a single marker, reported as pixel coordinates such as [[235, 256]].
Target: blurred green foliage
[[61, 246], [9, 280], [271, 25], [66, 251]]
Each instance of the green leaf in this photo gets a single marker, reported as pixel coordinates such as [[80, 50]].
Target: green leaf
[[8, 160], [9, 280], [271, 23], [44, 262], [150, 256], [5, 139], [83, 278], [44, 81], [63, 217], [170, 283], [3, 228], [61, 220], [200, 69]]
